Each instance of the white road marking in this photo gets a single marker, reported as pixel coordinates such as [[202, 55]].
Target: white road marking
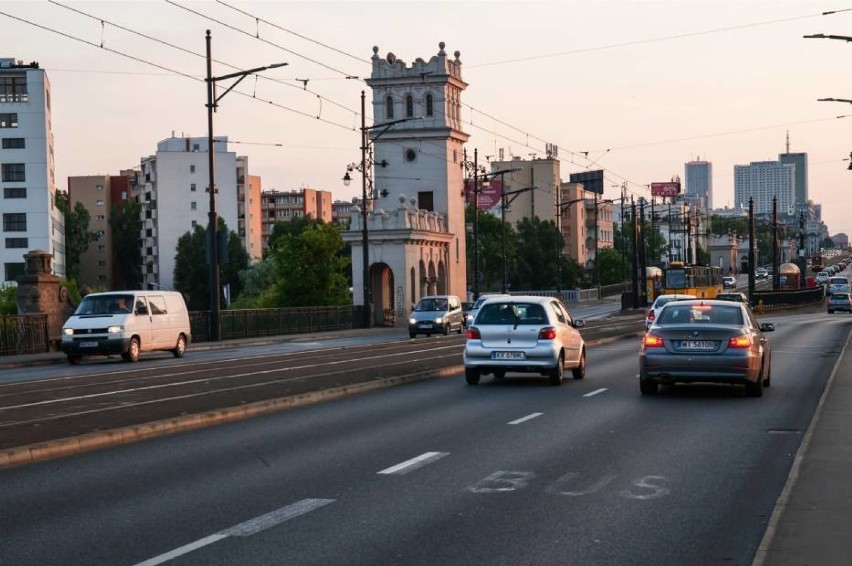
[[414, 463], [595, 392], [245, 529], [526, 418]]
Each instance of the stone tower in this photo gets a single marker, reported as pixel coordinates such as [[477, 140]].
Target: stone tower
[[416, 226]]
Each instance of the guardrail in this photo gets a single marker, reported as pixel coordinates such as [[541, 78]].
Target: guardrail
[[23, 334], [774, 299], [255, 323]]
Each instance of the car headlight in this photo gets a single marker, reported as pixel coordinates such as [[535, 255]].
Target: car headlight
[[439, 320], [68, 331], [412, 321], [115, 329]]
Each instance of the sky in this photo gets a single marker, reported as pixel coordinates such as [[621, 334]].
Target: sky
[[634, 87]]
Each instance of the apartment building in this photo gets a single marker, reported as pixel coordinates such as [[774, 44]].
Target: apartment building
[[763, 181], [248, 210], [577, 223], [282, 206], [30, 217]]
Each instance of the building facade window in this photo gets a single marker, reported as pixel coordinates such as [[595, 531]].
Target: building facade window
[[100, 247], [430, 105], [99, 202], [15, 192], [193, 205], [388, 107], [13, 270], [101, 217], [13, 172], [15, 222], [8, 120], [99, 188], [192, 187], [14, 143], [13, 89], [17, 242], [192, 168], [409, 106]]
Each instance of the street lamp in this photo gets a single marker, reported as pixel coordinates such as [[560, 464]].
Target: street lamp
[[364, 168], [215, 333], [504, 202]]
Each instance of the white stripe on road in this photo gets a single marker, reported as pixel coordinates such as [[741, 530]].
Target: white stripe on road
[[526, 418], [595, 392], [414, 463], [245, 529]]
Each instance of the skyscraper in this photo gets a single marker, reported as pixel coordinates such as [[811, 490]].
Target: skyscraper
[[699, 183], [763, 180], [800, 177]]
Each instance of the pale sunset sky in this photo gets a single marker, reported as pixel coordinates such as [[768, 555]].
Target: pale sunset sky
[[634, 87]]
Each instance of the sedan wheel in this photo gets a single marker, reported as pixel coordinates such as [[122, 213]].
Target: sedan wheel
[[754, 389], [558, 373], [767, 378]]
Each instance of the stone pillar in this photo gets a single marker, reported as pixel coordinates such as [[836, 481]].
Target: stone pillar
[[39, 292]]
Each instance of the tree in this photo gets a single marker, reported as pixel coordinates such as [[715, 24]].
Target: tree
[[238, 261], [192, 270], [609, 266], [490, 249], [77, 233], [656, 245], [539, 246], [125, 224], [294, 227]]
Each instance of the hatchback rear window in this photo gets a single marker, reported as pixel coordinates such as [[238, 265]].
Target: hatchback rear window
[[511, 313]]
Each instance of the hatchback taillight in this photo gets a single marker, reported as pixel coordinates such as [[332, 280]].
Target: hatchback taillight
[[651, 314], [653, 341], [547, 333], [739, 342], [473, 333]]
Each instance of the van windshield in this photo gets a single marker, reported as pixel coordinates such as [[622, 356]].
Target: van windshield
[[431, 305], [105, 304]]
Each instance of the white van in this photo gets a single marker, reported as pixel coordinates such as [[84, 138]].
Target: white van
[[127, 323]]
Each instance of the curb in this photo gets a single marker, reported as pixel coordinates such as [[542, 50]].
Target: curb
[[42, 451]]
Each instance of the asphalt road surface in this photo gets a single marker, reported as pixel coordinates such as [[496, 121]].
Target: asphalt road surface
[[438, 472]]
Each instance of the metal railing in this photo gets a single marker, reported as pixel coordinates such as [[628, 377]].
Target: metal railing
[[775, 299], [255, 323], [23, 334]]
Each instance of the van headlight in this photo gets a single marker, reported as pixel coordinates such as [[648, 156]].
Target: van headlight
[[412, 321], [68, 331], [439, 320], [115, 329]]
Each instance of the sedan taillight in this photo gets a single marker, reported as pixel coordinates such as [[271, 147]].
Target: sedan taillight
[[547, 333], [653, 341], [473, 333], [739, 342]]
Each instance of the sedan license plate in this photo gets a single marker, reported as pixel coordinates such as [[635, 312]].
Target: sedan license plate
[[425, 325], [697, 345], [507, 356], [88, 344]]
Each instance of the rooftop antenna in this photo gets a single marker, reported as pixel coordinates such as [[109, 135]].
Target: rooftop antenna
[[788, 141]]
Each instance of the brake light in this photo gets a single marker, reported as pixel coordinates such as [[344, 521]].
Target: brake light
[[547, 333], [653, 341], [473, 333], [739, 342], [651, 315]]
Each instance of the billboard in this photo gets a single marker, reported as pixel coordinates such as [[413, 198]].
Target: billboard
[[591, 180], [666, 189], [489, 193]]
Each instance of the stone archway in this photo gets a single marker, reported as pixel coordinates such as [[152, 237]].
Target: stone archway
[[382, 295]]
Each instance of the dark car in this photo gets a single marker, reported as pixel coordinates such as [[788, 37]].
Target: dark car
[[839, 302], [706, 341]]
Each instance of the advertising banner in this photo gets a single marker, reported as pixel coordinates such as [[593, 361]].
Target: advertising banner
[[666, 189], [489, 193], [592, 180]]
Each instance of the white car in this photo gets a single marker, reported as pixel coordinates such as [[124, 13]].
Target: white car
[[471, 314], [654, 311], [524, 334], [822, 277]]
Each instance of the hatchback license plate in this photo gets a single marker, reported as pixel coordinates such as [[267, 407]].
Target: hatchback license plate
[[88, 344], [507, 356], [697, 345]]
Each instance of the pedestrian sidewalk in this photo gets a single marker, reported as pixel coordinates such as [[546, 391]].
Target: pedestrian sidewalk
[[812, 521]]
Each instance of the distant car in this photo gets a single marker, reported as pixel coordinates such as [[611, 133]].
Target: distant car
[[839, 302], [837, 285], [822, 277], [658, 305], [761, 273], [736, 297], [706, 341], [436, 314], [729, 282], [471, 314], [524, 334]]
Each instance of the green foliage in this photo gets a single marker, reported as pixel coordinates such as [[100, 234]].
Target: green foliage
[[656, 245], [610, 266], [292, 227], [8, 300], [539, 245], [490, 249], [77, 234], [238, 261], [126, 226]]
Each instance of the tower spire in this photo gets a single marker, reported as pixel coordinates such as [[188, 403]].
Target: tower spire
[[788, 141]]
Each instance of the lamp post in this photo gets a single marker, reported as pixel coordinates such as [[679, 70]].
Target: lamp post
[[504, 202], [365, 168], [215, 333]]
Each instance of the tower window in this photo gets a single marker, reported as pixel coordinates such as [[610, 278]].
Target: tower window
[[389, 107], [409, 106], [429, 105]]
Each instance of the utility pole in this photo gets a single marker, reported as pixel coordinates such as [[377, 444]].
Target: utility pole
[[643, 258], [776, 276], [635, 254], [475, 224], [803, 262], [751, 250]]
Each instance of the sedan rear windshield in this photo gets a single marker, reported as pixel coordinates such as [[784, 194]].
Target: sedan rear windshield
[[700, 314], [511, 313]]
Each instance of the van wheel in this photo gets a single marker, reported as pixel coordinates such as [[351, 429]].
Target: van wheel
[[411, 334], [74, 360], [447, 329], [132, 353], [180, 347]]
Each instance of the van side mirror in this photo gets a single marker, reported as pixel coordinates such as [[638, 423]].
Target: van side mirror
[[767, 327], [579, 324]]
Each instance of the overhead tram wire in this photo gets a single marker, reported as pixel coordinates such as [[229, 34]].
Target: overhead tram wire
[[174, 71], [197, 54]]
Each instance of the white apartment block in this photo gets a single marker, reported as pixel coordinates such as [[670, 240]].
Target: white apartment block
[[174, 199], [30, 217], [763, 180]]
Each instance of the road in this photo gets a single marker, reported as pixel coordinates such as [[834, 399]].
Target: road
[[439, 472]]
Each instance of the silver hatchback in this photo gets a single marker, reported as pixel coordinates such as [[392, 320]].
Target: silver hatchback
[[524, 334]]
